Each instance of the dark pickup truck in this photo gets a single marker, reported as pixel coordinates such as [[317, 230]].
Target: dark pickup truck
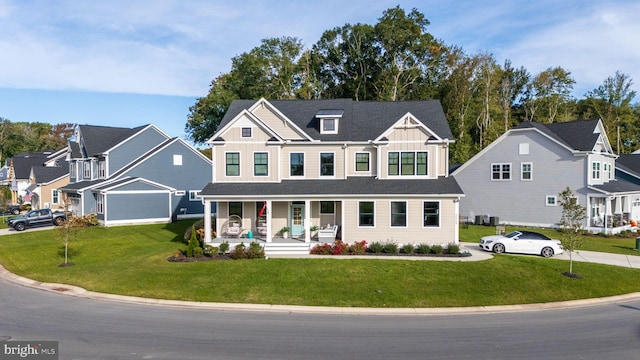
[[13, 209], [37, 218]]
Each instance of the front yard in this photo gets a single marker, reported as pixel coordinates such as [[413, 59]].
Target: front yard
[[133, 261]]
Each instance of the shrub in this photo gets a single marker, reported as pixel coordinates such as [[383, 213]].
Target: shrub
[[255, 251], [390, 248], [340, 248], [199, 228], [376, 247], [423, 249], [193, 247], [358, 248], [453, 249], [224, 247], [210, 250], [239, 252], [198, 252], [408, 248], [322, 249], [437, 249]]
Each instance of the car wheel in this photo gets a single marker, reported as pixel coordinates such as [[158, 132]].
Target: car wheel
[[19, 226], [59, 221], [547, 252], [15, 211], [498, 248]]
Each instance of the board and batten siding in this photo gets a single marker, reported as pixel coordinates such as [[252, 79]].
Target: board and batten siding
[[276, 123], [312, 160], [518, 201], [414, 232]]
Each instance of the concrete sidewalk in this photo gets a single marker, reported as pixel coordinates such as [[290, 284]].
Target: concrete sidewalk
[[602, 258]]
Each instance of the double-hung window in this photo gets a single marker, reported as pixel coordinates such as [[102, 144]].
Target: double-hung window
[[327, 164], [362, 161], [366, 214], [408, 163], [595, 170], [233, 164], [296, 164], [86, 169], [55, 196], [526, 171], [260, 164], [500, 171], [398, 213], [431, 214]]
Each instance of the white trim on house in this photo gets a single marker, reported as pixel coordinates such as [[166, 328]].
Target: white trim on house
[[405, 122]]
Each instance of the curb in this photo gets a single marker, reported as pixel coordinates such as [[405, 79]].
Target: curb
[[71, 290]]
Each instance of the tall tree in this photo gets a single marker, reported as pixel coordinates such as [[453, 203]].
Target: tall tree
[[547, 93], [205, 115], [512, 82], [611, 101]]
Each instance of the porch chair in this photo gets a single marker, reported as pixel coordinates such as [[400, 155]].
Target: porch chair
[[234, 226]]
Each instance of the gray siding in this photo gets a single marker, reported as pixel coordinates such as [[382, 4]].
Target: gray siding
[[518, 201], [133, 148], [137, 207]]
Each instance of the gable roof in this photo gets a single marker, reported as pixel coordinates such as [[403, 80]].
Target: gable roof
[[629, 163], [578, 135], [23, 162], [360, 121], [46, 174], [98, 139]]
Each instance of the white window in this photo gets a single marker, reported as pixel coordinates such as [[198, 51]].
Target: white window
[[100, 204], [246, 132], [523, 149], [194, 195], [86, 170], [327, 164], [526, 171], [328, 126], [72, 170], [398, 214], [431, 214], [101, 169], [501, 172], [177, 160], [366, 214], [552, 200], [55, 196], [595, 170], [180, 193]]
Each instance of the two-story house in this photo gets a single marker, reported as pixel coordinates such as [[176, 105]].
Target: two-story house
[[375, 171], [517, 179], [20, 171], [134, 175]]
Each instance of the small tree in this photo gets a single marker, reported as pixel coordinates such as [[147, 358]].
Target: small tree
[[571, 223], [68, 231]]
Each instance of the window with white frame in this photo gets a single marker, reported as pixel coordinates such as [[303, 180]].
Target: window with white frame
[[194, 195], [55, 196], [327, 164], [296, 164], [86, 169], [328, 126], [431, 214], [235, 208], [362, 161], [500, 171], [366, 214], [102, 169], [180, 192], [72, 170], [327, 207], [177, 160], [398, 213], [526, 171], [100, 204], [552, 200], [246, 132], [260, 164], [595, 170], [407, 163]]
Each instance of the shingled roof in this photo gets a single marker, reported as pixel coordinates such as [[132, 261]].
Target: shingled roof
[[45, 174], [360, 120], [98, 139], [577, 135]]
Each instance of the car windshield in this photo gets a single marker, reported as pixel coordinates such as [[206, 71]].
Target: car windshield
[[512, 235]]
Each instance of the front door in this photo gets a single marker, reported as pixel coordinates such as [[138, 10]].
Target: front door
[[297, 219]]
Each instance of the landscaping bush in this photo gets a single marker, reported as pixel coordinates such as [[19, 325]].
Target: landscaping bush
[[436, 249], [358, 248], [255, 251], [322, 249], [376, 247], [340, 248], [224, 247], [210, 250], [453, 249], [390, 248], [423, 249], [193, 247], [239, 252], [408, 248], [199, 228]]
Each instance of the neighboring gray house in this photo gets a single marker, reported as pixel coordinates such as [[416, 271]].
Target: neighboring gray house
[[517, 178], [137, 175]]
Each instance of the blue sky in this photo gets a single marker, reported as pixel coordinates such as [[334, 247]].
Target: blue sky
[[134, 62]]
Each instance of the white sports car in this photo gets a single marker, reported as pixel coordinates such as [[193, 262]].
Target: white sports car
[[523, 242]]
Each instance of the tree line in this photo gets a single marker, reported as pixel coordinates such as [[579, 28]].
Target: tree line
[[398, 59], [18, 137]]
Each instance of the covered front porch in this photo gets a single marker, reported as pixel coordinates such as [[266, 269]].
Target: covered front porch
[[613, 213], [282, 221]]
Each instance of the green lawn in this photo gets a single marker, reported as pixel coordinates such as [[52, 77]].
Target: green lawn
[[132, 261]]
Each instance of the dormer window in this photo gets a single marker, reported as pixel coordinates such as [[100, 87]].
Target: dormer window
[[329, 120]]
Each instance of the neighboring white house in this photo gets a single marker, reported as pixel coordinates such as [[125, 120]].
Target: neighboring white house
[[517, 179]]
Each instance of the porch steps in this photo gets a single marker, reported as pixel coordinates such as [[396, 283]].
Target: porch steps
[[292, 248]]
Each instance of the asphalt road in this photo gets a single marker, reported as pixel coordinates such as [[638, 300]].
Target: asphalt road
[[102, 329]]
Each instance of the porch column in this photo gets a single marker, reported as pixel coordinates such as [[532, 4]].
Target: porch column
[[618, 205], [269, 229], [207, 221], [626, 207], [456, 233], [307, 221]]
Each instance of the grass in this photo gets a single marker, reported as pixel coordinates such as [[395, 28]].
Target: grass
[[610, 243], [132, 261]]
